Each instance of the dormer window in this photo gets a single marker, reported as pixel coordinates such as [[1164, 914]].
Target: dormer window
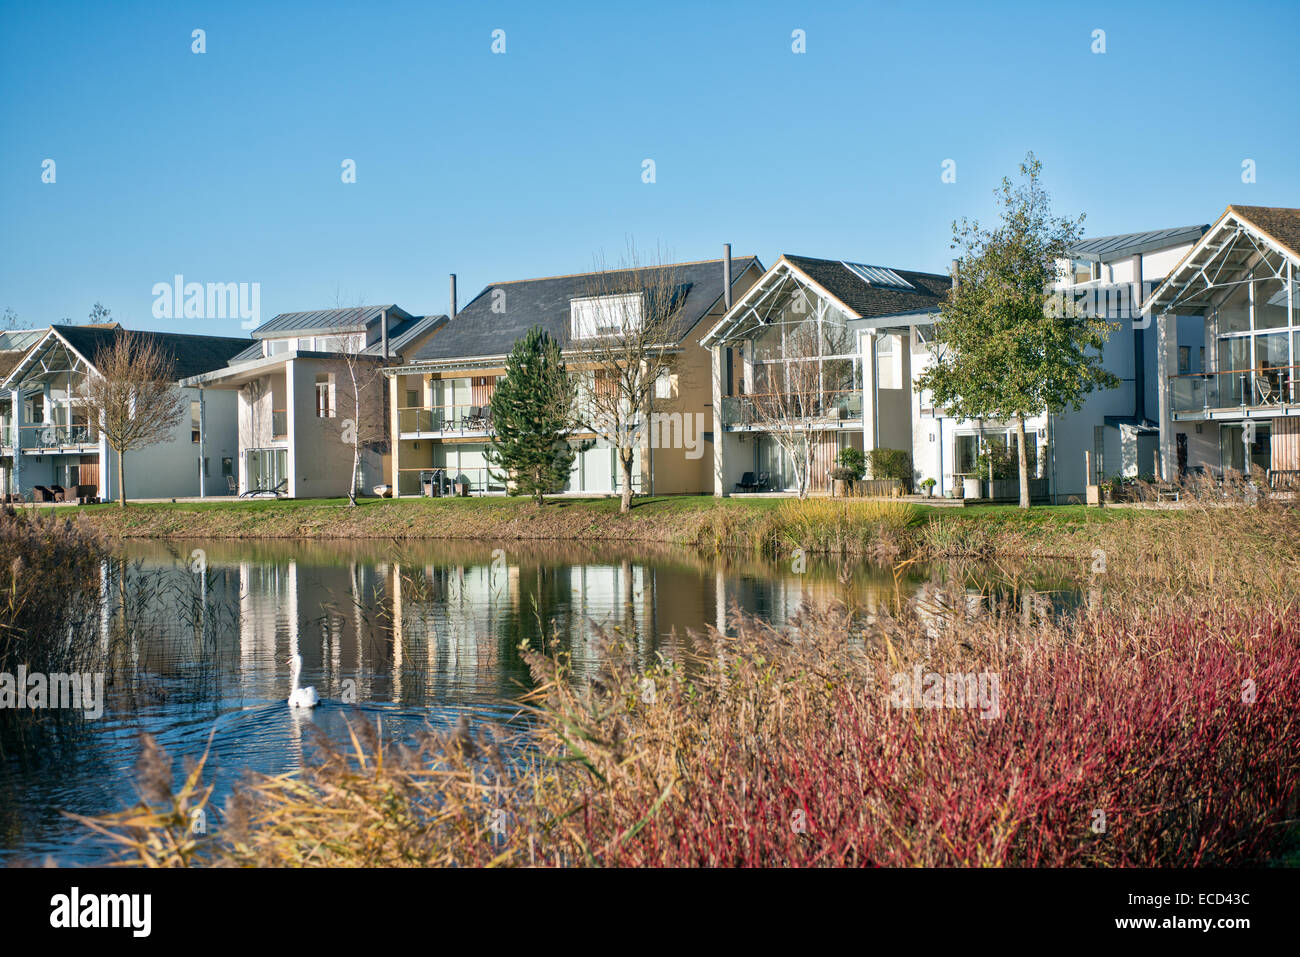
[[594, 316]]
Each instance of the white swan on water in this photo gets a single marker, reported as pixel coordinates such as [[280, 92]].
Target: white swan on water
[[300, 697]]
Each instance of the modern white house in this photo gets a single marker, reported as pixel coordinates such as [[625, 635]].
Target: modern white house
[[50, 440], [1108, 276], [295, 389], [882, 322], [865, 318], [1226, 324]]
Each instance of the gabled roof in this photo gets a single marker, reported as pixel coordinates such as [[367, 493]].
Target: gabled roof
[[1279, 222], [477, 331], [863, 292], [867, 299], [192, 354], [1122, 245], [314, 322], [1241, 236]]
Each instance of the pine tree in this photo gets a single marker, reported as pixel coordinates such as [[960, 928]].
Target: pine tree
[[533, 413]]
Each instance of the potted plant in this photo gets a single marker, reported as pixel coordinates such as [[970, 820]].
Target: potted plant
[[928, 485], [890, 469], [850, 466]]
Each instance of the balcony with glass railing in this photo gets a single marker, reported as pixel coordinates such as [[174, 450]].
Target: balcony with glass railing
[[52, 436], [755, 411], [1236, 389], [444, 419]]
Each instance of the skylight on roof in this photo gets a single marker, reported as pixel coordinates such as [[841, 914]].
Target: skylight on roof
[[878, 276]]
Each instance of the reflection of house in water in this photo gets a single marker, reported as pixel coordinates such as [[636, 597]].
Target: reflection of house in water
[[331, 615], [450, 619]]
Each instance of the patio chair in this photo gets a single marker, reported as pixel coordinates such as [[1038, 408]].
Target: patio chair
[[59, 492], [747, 483], [42, 494], [262, 492], [232, 484], [1264, 386], [764, 482]]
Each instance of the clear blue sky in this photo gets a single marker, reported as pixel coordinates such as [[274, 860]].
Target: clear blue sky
[[225, 166]]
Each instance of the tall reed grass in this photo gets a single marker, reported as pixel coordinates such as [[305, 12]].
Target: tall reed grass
[[1133, 735], [49, 594]]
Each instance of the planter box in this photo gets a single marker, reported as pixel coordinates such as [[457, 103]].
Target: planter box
[[1008, 490], [886, 488]]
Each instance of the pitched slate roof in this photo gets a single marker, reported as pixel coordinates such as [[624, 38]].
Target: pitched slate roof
[[193, 354], [356, 319], [868, 299], [1109, 248], [1279, 222], [478, 331]]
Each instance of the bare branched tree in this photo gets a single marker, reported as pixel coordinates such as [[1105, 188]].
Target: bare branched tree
[[627, 331], [131, 393], [367, 425], [795, 398]]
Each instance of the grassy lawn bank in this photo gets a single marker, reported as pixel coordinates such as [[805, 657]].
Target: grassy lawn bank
[[1179, 549], [853, 527]]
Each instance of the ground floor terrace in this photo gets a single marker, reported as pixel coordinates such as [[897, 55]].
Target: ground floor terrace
[[440, 467]]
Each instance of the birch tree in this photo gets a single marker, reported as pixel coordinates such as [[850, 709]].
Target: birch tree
[[796, 397], [132, 394], [629, 330]]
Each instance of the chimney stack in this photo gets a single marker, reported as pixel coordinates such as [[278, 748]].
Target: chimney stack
[[726, 275], [383, 333], [953, 269], [453, 296]]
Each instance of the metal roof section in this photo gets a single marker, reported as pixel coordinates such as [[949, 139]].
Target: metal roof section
[[1122, 245], [402, 335], [357, 319]]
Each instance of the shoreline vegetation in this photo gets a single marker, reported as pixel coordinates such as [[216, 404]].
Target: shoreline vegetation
[[1153, 727]]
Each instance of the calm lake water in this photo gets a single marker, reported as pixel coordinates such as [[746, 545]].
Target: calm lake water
[[418, 634]]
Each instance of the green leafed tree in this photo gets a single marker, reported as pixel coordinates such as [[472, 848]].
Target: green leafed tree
[[1008, 347], [533, 414]]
